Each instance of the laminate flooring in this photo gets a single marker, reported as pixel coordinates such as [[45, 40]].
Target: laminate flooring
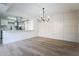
[[39, 46]]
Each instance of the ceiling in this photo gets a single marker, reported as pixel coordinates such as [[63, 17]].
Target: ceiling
[[36, 8], [4, 7]]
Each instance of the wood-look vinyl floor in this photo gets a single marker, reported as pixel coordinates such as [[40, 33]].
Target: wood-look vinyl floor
[[39, 46]]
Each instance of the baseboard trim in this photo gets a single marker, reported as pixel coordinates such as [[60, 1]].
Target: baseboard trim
[[57, 39]]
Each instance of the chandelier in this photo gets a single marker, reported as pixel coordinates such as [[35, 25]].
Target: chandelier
[[44, 18]]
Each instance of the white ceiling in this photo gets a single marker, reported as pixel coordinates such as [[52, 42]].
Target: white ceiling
[[36, 8], [4, 7]]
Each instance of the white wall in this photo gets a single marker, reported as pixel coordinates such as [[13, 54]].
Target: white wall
[[52, 28], [61, 26], [70, 27]]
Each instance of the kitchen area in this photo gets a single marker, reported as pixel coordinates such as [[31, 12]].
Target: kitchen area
[[14, 28]]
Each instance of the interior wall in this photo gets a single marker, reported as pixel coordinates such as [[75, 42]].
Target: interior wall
[[71, 27], [63, 26]]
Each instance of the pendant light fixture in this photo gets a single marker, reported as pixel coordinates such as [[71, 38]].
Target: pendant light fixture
[[44, 18]]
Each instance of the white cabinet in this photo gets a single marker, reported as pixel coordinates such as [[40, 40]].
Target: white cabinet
[[4, 22]]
